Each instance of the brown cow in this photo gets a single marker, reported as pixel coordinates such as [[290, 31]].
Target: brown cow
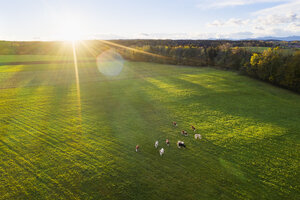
[[167, 142], [194, 129], [183, 132]]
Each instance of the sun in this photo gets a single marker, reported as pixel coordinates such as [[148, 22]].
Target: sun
[[70, 30]]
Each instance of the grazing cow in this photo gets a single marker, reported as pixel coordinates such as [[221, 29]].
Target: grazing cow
[[184, 133], [174, 124], [161, 151], [167, 142], [137, 148], [180, 144], [156, 144], [194, 129], [198, 136]]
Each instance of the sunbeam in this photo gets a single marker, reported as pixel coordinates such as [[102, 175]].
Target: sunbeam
[[77, 80]]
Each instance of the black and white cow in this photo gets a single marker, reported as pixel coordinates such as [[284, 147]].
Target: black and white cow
[[180, 144]]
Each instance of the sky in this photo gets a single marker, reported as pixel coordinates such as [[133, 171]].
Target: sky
[[147, 19]]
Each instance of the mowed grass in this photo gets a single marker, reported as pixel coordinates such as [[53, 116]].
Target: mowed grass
[[55, 146]]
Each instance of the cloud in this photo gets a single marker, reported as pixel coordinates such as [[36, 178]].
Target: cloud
[[230, 22], [281, 14], [259, 28], [282, 19], [240, 35], [216, 23], [206, 4], [275, 19], [286, 7], [161, 35], [207, 35], [294, 27], [279, 20], [236, 22], [105, 36], [234, 35]]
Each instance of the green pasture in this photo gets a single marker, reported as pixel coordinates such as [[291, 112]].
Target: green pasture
[[31, 58], [37, 58], [55, 144], [256, 49], [287, 51]]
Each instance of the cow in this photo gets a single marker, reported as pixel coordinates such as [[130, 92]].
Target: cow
[[198, 136], [161, 151], [167, 142], [137, 148], [183, 132], [156, 144], [174, 124], [180, 144], [193, 128]]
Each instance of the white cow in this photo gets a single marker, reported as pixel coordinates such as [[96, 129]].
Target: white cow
[[156, 144], [161, 151], [198, 136]]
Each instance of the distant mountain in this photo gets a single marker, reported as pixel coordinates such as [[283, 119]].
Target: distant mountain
[[289, 38], [267, 38]]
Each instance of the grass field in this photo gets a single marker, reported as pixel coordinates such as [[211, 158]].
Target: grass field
[[36, 58], [256, 49], [288, 51], [55, 146]]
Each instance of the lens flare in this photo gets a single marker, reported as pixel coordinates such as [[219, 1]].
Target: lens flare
[[110, 63]]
